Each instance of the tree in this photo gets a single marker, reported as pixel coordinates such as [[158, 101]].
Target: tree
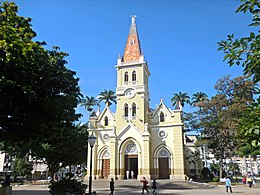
[[180, 97], [233, 168], [198, 97], [39, 95], [245, 50], [65, 147], [219, 116], [22, 167], [89, 102], [249, 125], [108, 96]]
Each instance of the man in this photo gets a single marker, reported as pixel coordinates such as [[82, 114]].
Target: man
[[112, 186], [228, 184]]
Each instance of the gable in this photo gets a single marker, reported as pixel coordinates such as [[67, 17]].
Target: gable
[[129, 131], [106, 113], [161, 108]]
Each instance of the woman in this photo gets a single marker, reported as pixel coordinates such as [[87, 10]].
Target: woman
[[145, 185]]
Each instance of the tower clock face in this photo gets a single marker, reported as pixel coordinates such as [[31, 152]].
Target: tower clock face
[[130, 93]]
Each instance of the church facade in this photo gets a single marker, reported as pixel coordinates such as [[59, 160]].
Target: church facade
[[137, 141]]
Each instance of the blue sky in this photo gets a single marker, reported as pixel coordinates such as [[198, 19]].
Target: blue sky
[[178, 38]]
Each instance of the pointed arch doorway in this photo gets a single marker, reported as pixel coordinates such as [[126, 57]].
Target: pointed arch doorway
[[131, 161], [105, 171], [163, 163]]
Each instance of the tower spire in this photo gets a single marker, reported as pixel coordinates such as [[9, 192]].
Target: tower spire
[[133, 19], [132, 48]]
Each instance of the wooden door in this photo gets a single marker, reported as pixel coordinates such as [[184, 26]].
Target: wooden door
[[131, 164], [163, 168], [105, 168]]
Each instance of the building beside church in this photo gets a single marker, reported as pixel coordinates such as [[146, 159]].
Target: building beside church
[[136, 138]]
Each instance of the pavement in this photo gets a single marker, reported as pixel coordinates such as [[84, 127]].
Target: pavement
[[130, 187]]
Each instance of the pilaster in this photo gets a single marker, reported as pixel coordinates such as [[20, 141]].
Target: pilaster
[[146, 156], [179, 173], [113, 157]]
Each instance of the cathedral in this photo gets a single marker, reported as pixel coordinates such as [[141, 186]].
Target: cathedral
[[137, 141]]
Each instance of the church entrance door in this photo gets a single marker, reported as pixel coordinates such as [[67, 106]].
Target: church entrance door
[[163, 168], [131, 164], [105, 168]]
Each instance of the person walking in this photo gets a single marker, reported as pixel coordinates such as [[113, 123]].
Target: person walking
[[154, 187], [250, 181], [112, 186], [244, 180], [228, 184], [145, 185]]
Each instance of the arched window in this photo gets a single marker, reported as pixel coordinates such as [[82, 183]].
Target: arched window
[[126, 110], [126, 76], [133, 109], [106, 121], [134, 75], [161, 117]]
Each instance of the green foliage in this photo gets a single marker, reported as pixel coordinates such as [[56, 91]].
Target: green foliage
[[250, 125], [64, 148], [245, 50], [198, 98], [22, 167], [181, 98], [214, 167], [89, 102], [245, 148], [218, 118], [38, 92], [234, 168], [67, 186], [205, 172], [39, 95], [215, 179], [108, 96]]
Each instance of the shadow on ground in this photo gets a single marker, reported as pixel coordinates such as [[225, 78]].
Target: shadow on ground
[[30, 192]]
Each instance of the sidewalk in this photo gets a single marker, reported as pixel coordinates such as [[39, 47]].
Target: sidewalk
[[130, 187]]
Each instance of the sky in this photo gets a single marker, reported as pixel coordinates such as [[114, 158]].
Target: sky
[[178, 38]]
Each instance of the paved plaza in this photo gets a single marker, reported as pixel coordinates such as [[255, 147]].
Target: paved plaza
[[128, 187]]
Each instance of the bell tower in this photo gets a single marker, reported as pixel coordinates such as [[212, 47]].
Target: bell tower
[[132, 83]]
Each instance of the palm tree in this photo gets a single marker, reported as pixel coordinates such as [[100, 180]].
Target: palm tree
[[89, 102], [180, 97], [108, 96], [198, 97]]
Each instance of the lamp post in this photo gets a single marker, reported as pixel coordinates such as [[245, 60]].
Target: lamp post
[[91, 141]]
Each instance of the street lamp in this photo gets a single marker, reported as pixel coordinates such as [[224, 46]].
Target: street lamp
[[91, 141]]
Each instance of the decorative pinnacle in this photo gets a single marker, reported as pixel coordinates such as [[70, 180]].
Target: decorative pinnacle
[[133, 19]]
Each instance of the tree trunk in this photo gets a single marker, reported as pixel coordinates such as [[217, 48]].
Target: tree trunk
[[53, 169], [221, 168]]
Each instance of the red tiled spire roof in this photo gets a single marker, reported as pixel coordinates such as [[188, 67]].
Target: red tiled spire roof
[[132, 48]]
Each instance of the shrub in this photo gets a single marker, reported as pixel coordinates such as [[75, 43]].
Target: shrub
[[67, 186], [215, 179]]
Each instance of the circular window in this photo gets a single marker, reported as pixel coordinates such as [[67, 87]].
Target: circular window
[[131, 148], [132, 41], [162, 134], [106, 136], [163, 153]]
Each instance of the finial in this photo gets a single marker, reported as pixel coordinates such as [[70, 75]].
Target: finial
[[133, 19]]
